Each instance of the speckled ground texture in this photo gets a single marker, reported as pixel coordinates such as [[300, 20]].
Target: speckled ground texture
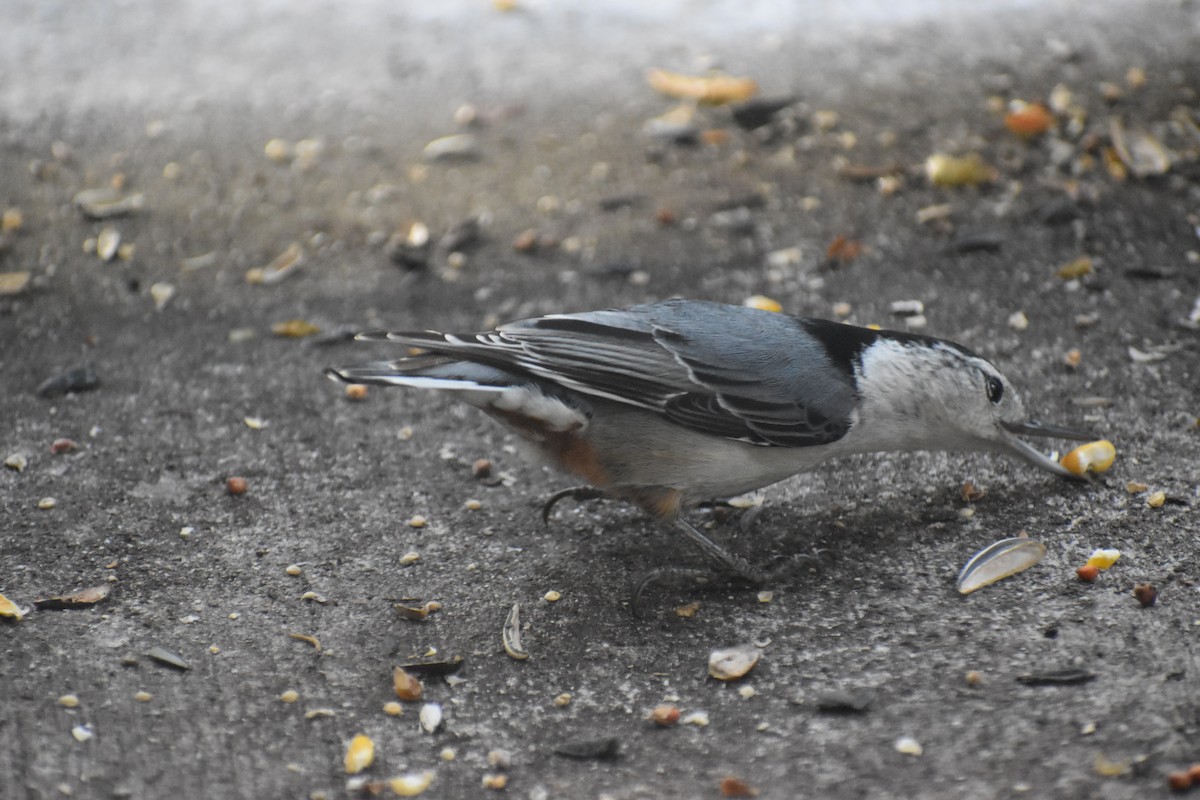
[[333, 483]]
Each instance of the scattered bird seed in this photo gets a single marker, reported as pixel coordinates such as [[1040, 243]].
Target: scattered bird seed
[[999, 560], [13, 283], [511, 634], [289, 696], [106, 203], [1146, 594], [107, 242], [60, 446], [17, 461], [407, 687], [319, 713], [1139, 150], [697, 718], [11, 610], [430, 717], [304, 637], [563, 700], [714, 89], [598, 749], [283, 265], [1088, 573], [410, 784], [356, 391], [360, 753], [455, 147], [314, 597], [167, 658], [143, 697], [950, 171], [294, 329], [83, 597], [906, 308], [733, 662], [47, 503], [69, 701], [1156, 500], [161, 294], [552, 596], [733, 786], [82, 732], [909, 746], [1076, 268], [1103, 559], [393, 709], [410, 557], [236, 485], [665, 716], [762, 303], [278, 150], [494, 781]]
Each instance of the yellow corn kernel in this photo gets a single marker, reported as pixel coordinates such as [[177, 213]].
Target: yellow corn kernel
[[1091, 457], [359, 754], [1103, 559]]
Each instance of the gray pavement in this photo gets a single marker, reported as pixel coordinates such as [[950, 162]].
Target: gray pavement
[[178, 102]]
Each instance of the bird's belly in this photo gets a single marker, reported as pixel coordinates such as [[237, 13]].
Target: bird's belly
[[639, 449]]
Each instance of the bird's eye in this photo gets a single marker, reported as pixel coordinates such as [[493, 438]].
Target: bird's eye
[[995, 389]]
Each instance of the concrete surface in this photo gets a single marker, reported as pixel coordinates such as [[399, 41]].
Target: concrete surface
[[129, 88]]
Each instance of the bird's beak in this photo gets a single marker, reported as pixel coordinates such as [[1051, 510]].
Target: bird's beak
[[1037, 457]]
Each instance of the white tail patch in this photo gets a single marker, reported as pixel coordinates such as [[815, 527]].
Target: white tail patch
[[529, 402], [526, 401]]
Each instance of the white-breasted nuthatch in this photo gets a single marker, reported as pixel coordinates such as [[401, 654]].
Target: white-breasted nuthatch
[[674, 403]]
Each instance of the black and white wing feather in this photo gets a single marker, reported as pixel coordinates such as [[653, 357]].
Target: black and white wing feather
[[739, 373]]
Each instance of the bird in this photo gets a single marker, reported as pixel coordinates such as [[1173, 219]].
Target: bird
[[670, 404]]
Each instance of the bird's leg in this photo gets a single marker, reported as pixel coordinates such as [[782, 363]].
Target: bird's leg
[[728, 563], [580, 493]]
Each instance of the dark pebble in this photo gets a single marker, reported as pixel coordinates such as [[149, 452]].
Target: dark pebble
[[597, 749], [79, 378], [843, 702], [758, 113], [981, 242], [1060, 677], [1058, 211]]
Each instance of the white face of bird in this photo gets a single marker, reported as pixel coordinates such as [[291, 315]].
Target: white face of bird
[[937, 396]]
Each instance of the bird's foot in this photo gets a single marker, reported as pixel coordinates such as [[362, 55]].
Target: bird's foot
[[695, 576], [815, 561], [579, 493]]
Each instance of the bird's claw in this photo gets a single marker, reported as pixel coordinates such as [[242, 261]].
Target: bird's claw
[[579, 493]]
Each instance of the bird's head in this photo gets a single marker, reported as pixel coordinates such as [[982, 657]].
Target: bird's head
[[938, 395]]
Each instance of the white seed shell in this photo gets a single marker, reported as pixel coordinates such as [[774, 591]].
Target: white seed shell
[[430, 717], [732, 663], [998, 561]]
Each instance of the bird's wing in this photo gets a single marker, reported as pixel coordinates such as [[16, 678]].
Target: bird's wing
[[723, 370]]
